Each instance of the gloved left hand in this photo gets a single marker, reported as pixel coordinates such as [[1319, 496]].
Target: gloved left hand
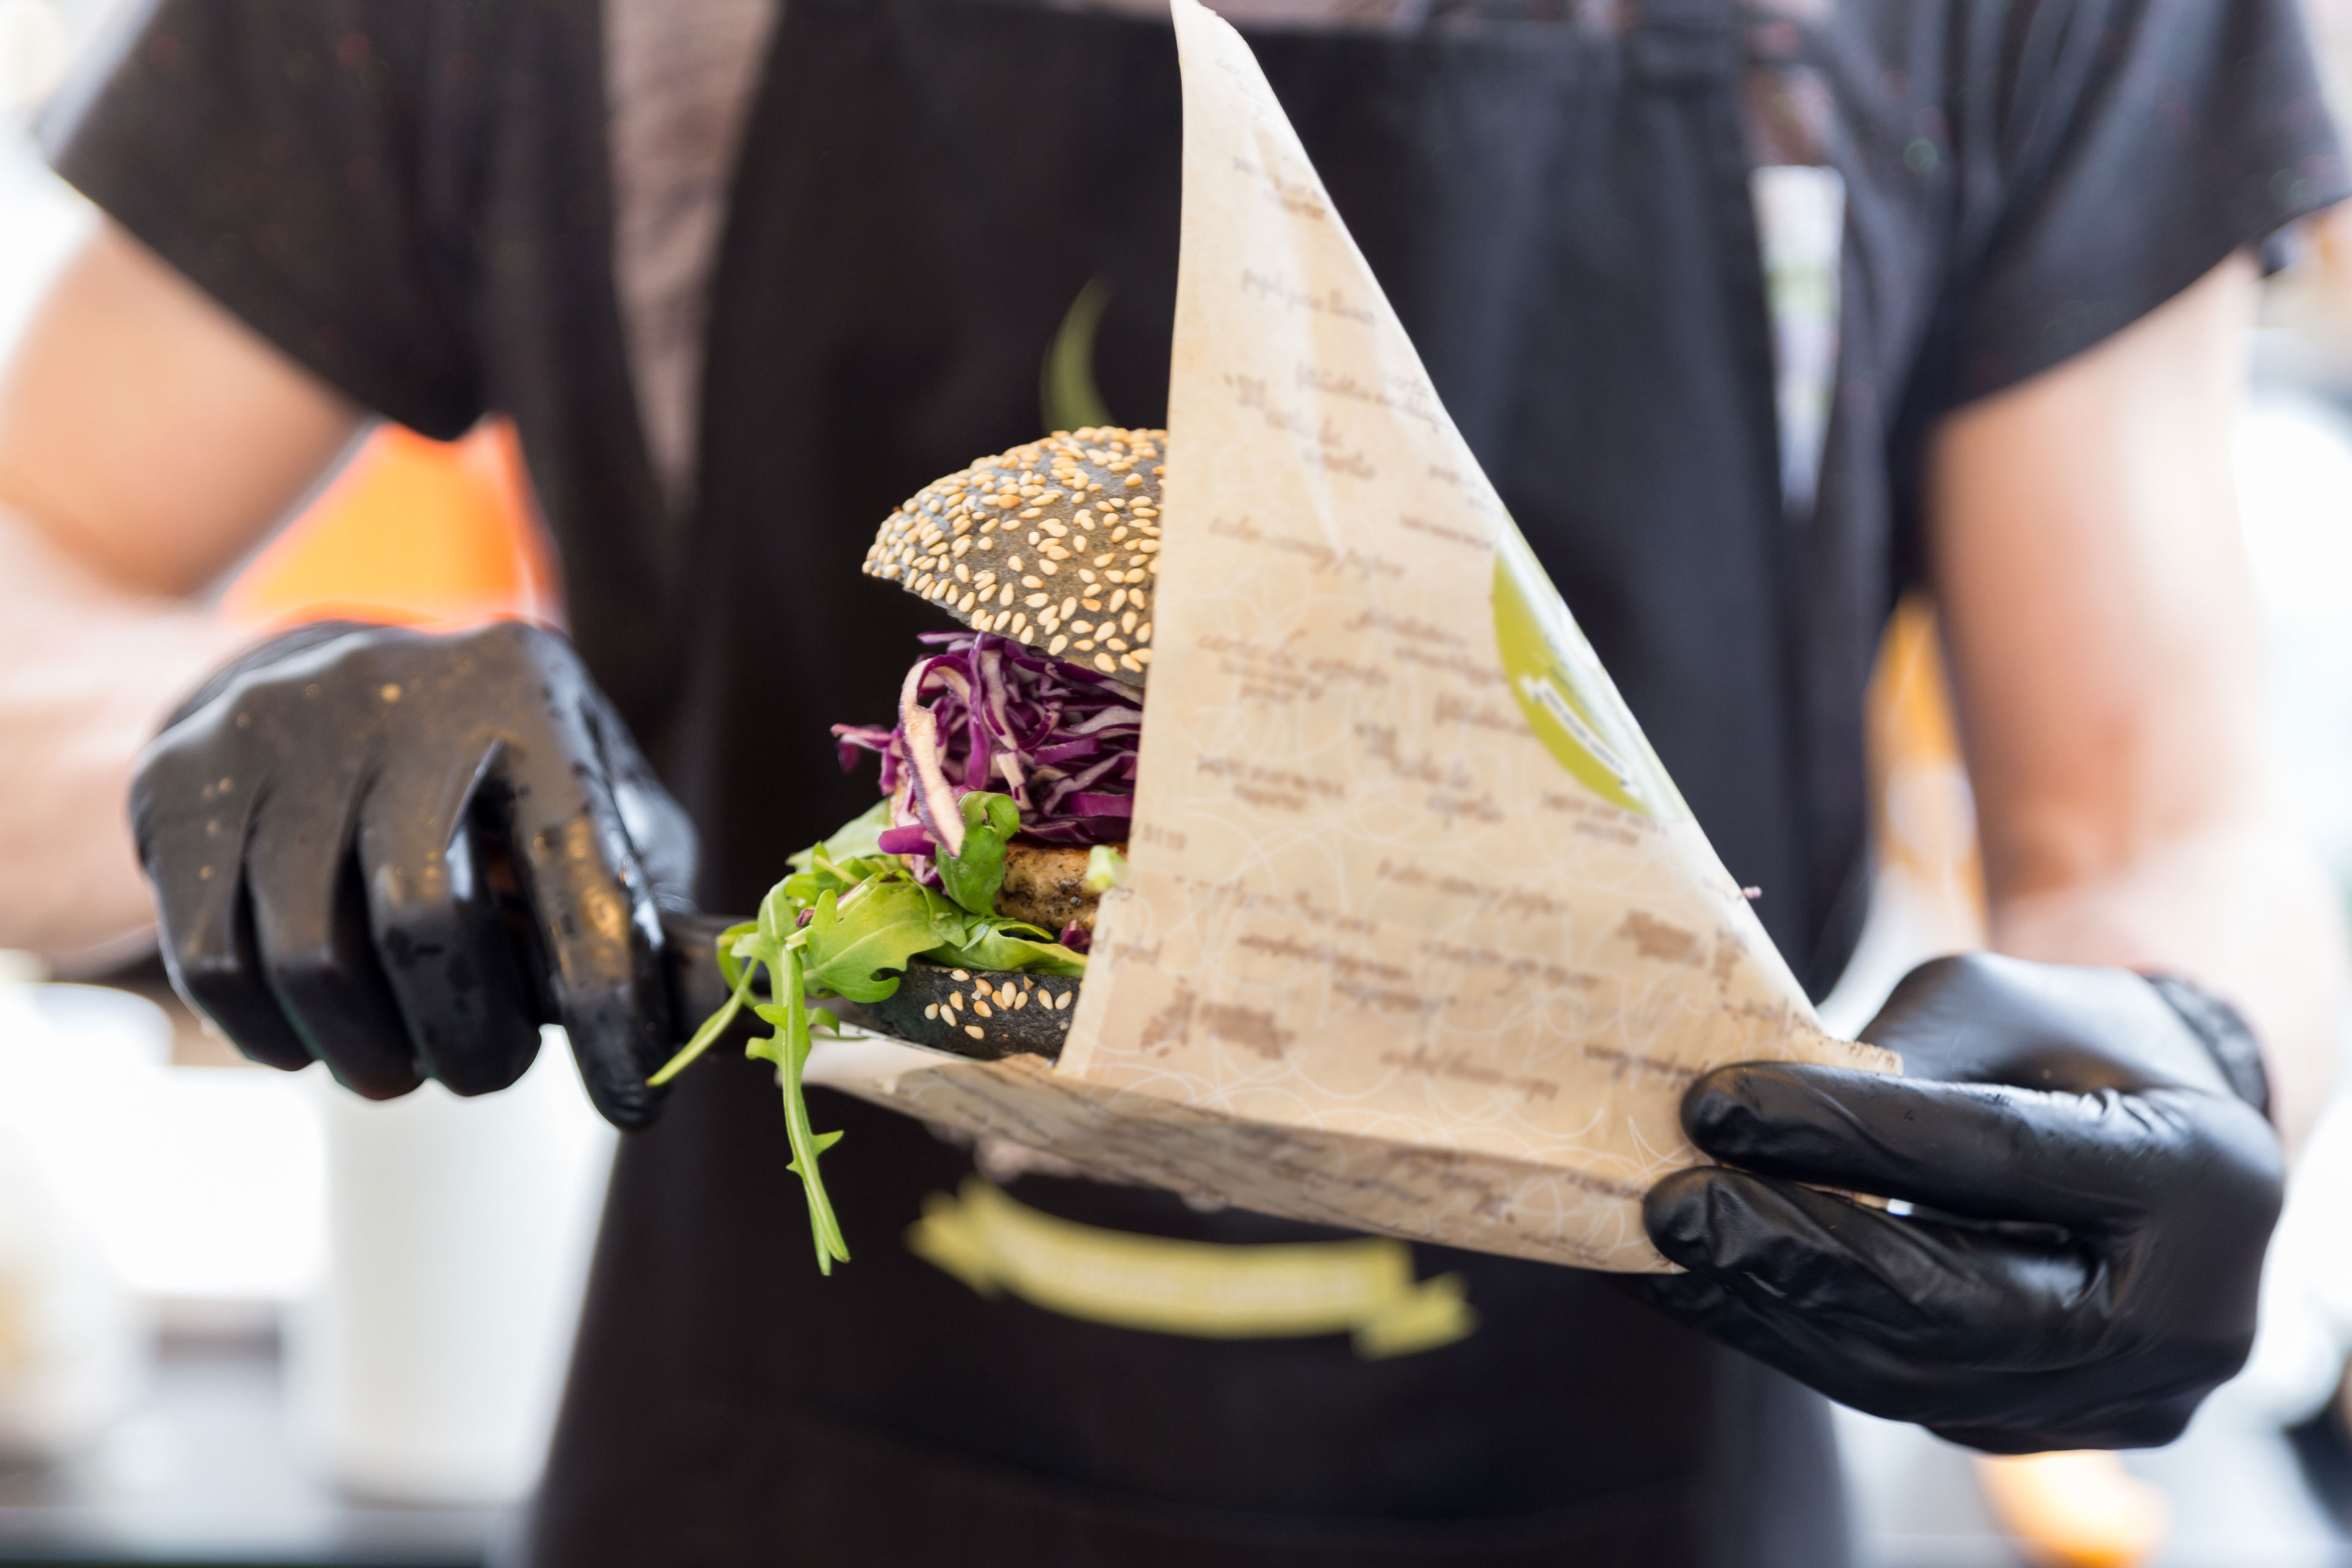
[[2093, 1200], [401, 853]]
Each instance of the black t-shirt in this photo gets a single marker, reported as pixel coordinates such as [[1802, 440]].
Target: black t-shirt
[[413, 200]]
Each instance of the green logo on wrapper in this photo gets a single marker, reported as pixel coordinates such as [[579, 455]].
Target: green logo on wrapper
[[1565, 694]]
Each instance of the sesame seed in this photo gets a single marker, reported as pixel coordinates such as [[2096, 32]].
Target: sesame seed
[[1062, 1003], [1032, 582], [1127, 622], [966, 603], [957, 975], [975, 1031], [1057, 646], [1116, 645], [1069, 608], [1082, 628], [1034, 601], [955, 1000], [1004, 597], [962, 572], [983, 1009], [1020, 625], [1091, 604], [932, 1011], [1143, 634], [1128, 661]]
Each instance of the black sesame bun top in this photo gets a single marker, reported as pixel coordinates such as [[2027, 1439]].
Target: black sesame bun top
[[1055, 544]]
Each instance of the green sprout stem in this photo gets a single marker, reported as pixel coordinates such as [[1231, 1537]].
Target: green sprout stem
[[790, 1051], [866, 919], [738, 976]]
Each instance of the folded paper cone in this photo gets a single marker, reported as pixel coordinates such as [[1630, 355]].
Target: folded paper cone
[[1420, 938]]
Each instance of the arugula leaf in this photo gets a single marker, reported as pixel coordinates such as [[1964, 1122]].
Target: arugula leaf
[[844, 876], [788, 1048], [972, 878], [739, 980], [867, 918], [878, 925], [858, 839], [1004, 944], [773, 942]]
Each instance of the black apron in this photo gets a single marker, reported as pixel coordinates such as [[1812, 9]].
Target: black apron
[[1561, 218]]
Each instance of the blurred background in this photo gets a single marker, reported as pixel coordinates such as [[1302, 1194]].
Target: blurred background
[[247, 1320]]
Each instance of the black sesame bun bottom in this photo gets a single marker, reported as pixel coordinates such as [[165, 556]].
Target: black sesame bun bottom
[[979, 1013], [984, 1013]]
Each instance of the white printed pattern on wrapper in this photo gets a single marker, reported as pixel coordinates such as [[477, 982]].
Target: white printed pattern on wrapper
[[1420, 938]]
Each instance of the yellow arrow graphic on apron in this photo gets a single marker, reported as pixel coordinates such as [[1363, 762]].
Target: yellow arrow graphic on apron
[[1364, 1288]]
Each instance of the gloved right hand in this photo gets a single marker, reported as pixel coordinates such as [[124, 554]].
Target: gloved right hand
[[2094, 1184], [400, 853]]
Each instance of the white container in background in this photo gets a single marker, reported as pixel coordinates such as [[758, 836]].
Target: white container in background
[[427, 1366], [78, 1072], [73, 1345]]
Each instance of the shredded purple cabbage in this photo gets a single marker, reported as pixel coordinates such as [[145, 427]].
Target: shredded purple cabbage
[[984, 711]]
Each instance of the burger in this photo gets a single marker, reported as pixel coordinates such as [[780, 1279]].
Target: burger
[[960, 908], [958, 911], [1049, 554]]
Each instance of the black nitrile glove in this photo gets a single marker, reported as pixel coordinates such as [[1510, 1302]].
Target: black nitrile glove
[[399, 853], [2093, 1202]]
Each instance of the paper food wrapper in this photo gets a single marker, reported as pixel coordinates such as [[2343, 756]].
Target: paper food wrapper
[[1420, 938]]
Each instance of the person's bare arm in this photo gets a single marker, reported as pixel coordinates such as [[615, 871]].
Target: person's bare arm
[[2107, 657], [147, 440]]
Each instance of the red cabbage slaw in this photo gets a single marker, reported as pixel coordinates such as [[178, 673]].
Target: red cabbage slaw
[[985, 713]]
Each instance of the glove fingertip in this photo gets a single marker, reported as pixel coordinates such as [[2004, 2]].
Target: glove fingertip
[[1721, 1113], [625, 1100], [612, 1043], [1675, 1213]]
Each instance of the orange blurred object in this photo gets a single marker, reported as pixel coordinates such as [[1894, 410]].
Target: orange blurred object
[[1924, 826], [412, 532], [2075, 1510]]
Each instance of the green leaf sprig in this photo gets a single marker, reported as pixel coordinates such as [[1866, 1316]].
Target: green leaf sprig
[[847, 922]]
